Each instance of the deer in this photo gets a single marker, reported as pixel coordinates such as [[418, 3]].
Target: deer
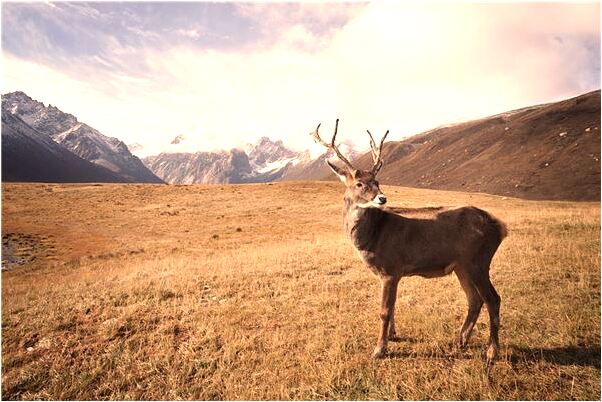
[[428, 242]]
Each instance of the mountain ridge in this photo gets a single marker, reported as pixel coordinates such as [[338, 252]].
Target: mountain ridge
[[264, 161], [31, 156], [79, 138], [548, 151]]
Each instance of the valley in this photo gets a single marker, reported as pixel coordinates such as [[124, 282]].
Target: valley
[[523, 153]]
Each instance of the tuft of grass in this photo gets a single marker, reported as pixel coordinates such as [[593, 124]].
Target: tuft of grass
[[135, 303]]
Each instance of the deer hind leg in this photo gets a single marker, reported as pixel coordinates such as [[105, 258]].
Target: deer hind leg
[[387, 307], [475, 303], [492, 301]]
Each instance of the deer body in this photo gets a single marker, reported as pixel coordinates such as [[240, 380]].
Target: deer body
[[428, 242], [429, 246]]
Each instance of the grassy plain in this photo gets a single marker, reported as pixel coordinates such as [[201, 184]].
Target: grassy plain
[[252, 292]]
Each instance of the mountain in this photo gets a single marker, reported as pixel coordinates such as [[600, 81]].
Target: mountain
[[308, 168], [180, 138], [135, 147], [201, 167], [28, 155], [79, 138], [259, 163], [267, 152], [549, 151]]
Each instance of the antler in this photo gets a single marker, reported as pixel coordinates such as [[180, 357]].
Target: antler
[[332, 146], [378, 162]]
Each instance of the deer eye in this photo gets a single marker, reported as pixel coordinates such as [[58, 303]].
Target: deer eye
[[359, 185]]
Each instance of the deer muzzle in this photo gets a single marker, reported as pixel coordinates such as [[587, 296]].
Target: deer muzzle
[[380, 199]]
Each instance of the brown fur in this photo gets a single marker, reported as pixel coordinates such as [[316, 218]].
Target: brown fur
[[429, 242]]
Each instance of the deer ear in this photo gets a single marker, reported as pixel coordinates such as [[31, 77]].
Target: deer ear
[[341, 173]]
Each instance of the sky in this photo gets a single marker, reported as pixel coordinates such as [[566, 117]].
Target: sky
[[225, 74]]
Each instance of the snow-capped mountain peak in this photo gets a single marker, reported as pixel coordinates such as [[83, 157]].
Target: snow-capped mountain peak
[[266, 151], [262, 161], [79, 138], [178, 139]]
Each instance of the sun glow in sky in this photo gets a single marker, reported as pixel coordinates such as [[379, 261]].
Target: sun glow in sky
[[225, 74]]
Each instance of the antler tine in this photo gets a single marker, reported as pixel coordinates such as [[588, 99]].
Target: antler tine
[[372, 146], [332, 145], [378, 162], [317, 138], [334, 136], [382, 141]]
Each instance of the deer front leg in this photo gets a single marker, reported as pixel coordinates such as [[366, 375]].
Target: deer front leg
[[389, 293], [392, 332]]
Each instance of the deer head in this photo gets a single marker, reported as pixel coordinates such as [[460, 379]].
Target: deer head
[[362, 187]]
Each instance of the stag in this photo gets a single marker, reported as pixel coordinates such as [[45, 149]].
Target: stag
[[429, 242]]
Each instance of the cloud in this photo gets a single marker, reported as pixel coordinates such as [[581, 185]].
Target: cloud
[[189, 33], [379, 66]]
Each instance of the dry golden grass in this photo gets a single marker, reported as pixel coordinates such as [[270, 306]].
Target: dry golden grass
[[252, 292]]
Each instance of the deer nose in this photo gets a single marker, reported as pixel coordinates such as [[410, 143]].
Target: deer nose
[[382, 199]]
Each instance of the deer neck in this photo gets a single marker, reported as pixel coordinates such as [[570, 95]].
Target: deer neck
[[361, 224]]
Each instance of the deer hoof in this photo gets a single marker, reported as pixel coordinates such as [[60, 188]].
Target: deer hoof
[[460, 342], [379, 353], [491, 355]]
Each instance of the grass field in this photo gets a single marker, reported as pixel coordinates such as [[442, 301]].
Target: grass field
[[253, 292]]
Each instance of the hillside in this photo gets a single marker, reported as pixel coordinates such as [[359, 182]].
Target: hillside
[[30, 156], [548, 151]]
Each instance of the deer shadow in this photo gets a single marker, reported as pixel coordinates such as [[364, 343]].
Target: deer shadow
[[401, 338], [571, 355], [446, 352]]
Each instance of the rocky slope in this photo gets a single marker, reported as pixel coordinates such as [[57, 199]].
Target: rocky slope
[[31, 156], [266, 154], [549, 151], [78, 137], [259, 163], [201, 167], [308, 168]]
